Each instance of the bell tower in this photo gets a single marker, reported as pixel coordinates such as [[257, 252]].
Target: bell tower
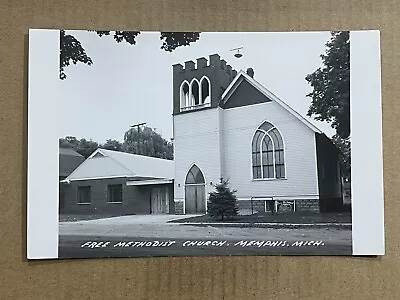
[[198, 129], [200, 85]]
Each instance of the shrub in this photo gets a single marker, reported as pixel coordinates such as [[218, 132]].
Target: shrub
[[222, 202]]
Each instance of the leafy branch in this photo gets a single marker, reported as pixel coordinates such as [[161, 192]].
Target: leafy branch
[[72, 51]]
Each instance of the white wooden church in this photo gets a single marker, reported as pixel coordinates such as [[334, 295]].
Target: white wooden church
[[227, 125]]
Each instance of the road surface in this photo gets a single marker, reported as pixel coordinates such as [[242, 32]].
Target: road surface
[[126, 237]]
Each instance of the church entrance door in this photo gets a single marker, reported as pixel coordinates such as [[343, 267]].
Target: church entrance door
[[195, 195]]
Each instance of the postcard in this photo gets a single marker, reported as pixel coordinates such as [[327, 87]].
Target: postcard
[[204, 144]]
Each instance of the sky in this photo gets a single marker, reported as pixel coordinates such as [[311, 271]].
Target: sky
[[130, 84]]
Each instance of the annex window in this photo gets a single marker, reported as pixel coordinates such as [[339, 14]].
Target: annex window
[[268, 153], [115, 193], [84, 195]]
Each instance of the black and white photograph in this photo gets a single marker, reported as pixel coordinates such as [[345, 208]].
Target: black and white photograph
[[204, 144]]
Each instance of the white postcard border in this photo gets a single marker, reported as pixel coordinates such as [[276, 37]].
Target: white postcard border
[[42, 206], [366, 144], [366, 138]]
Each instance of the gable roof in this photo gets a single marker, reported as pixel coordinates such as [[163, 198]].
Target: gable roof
[[68, 161], [111, 164], [244, 76], [68, 151]]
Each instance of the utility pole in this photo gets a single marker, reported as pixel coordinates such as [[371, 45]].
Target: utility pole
[[138, 126], [139, 139]]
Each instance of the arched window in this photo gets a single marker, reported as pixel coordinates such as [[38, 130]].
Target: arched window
[[184, 94], [268, 153], [195, 91], [205, 90], [194, 176], [195, 95]]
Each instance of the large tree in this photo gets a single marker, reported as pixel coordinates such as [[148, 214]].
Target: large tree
[[330, 98], [331, 85], [344, 146], [72, 51], [143, 141], [146, 141]]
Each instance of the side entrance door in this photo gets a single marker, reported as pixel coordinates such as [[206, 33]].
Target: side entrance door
[[158, 201]]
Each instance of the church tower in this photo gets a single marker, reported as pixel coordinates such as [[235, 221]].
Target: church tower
[[198, 130], [200, 85]]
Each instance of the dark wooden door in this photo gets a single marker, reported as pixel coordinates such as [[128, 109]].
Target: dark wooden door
[[158, 201], [195, 199]]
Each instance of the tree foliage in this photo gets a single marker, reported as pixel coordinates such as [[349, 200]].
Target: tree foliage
[[72, 51], [222, 202], [173, 40], [144, 141], [112, 145], [344, 146], [331, 85], [147, 142], [82, 146]]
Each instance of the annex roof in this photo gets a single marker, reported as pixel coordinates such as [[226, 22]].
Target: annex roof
[[111, 164]]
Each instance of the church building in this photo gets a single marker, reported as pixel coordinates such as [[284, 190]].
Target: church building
[[228, 125]]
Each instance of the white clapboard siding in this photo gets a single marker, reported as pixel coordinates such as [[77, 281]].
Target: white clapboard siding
[[197, 140], [300, 152]]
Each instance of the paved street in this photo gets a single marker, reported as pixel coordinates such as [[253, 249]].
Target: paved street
[[136, 236]]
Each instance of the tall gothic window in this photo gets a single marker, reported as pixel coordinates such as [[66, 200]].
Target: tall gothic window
[[268, 153]]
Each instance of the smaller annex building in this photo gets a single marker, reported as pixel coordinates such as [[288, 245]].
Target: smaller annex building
[[111, 182]]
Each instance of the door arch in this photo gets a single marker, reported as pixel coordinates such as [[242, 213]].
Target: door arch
[[195, 194]]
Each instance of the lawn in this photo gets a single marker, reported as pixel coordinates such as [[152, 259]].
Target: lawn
[[293, 218]]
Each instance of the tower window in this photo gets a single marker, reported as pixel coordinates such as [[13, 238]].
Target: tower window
[[185, 94], [205, 90], [195, 95]]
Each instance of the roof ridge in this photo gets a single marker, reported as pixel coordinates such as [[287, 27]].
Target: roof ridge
[[137, 155], [268, 93]]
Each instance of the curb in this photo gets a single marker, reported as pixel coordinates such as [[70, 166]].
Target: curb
[[271, 225]]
